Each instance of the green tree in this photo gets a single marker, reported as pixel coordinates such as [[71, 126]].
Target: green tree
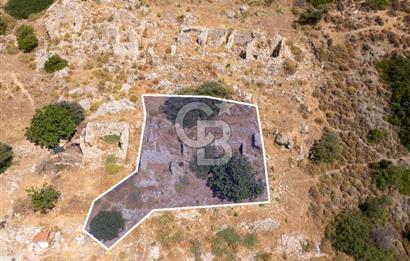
[[395, 71], [22, 9], [26, 38], [55, 63], [52, 123], [235, 181], [3, 26], [43, 199], [325, 150], [6, 157], [350, 233], [106, 225], [174, 104]]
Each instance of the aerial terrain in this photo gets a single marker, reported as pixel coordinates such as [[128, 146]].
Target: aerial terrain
[[330, 80]]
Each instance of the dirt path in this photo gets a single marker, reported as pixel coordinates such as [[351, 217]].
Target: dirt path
[[23, 89]]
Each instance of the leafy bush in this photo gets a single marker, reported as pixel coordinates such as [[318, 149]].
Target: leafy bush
[[378, 4], [376, 136], [43, 199], [212, 88], [225, 243], [325, 150], [174, 104], [317, 3], [54, 122], [396, 72], [26, 38], [376, 209], [106, 225], [310, 16], [3, 26], [386, 175], [235, 181], [22, 9], [55, 63], [112, 139], [6, 157], [350, 233]]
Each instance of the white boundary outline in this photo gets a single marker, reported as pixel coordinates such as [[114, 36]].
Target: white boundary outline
[[178, 208]]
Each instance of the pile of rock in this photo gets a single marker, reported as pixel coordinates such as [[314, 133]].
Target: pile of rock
[[90, 140]]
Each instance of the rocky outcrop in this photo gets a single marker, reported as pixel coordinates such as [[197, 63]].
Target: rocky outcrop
[[113, 107]]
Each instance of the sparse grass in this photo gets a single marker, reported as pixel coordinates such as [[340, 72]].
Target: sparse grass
[[94, 106], [196, 249], [250, 240], [111, 165], [290, 66], [225, 243], [112, 138], [167, 232]]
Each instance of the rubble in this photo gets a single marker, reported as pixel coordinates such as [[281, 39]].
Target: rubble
[[284, 139], [91, 139]]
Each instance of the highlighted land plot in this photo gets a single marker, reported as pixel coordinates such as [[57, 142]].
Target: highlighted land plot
[[195, 151]]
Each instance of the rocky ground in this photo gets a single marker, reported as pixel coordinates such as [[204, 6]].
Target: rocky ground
[[118, 50]]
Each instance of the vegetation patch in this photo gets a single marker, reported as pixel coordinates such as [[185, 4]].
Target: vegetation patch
[[250, 240], [317, 3], [235, 181], [174, 104], [22, 9], [106, 225], [26, 38], [111, 165], [3, 26], [327, 149], [112, 138], [378, 4], [225, 243], [351, 232], [54, 122], [396, 73], [375, 136], [43, 199], [387, 175], [212, 88], [6, 157], [55, 63], [310, 17]]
